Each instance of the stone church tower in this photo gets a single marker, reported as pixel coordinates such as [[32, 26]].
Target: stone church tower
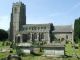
[[18, 19]]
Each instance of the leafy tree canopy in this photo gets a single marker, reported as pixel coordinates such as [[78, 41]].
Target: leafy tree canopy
[[3, 35]]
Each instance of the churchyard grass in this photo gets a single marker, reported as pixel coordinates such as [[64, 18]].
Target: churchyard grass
[[69, 51], [37, 58], [47, 58], [3, 54]]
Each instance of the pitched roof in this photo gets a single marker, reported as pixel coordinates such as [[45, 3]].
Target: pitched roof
[[65, 28], [31, 25]]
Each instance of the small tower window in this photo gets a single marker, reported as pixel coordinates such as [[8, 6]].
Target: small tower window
[[15, 10]]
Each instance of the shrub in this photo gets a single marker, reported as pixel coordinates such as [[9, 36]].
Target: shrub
[[13, 45], [7, 43], [3, 43], [19, 52]]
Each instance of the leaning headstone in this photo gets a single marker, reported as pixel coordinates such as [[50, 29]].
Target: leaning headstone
[[13, 57]]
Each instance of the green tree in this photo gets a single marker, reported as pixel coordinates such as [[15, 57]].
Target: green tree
[[52, 37], [3, 35], [77, 30]]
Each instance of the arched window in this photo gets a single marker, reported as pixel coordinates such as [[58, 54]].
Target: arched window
[[62, 39], [66, 36], [58, 40], [29, 28], [18, 39], [41, 27], [44, 27], [26, 37], [34, 35], [34, 28], [42, 36]]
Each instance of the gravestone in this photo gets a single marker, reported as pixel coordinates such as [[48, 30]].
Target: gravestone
[[13, 57]]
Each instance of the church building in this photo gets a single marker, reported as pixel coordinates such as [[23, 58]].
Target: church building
[[20, 32]]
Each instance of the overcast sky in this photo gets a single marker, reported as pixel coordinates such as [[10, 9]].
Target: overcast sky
[[58, 12]]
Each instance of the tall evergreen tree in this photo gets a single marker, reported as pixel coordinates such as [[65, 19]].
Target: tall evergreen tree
[[77, 30]]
